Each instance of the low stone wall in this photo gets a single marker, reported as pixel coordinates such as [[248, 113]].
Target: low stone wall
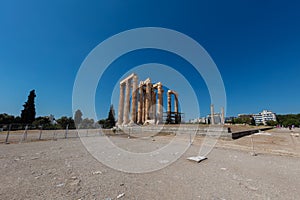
[[223, 132], [214, 131], [240, 134]]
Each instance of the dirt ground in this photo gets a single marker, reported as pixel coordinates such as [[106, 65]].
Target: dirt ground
[[64, 169], [279, 141]]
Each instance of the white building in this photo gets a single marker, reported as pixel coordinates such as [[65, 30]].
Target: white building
[[264, 116], [201, 120]]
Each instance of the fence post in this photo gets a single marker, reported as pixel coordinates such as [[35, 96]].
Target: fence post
[[6, 140], [41, 130], [253, 151], [54, 135], [67, 129], [25, 133], [100, 131]]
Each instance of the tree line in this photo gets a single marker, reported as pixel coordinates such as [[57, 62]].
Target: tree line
[[289, 120], [28, 117]]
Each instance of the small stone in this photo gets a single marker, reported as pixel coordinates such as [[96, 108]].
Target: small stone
[[60, 185], [253, 154], [75, 182], [97, 172], [252, 188], [120, 195], [163, 161]]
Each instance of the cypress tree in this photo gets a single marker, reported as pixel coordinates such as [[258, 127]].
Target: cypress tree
[[28, 113], [111, 117]]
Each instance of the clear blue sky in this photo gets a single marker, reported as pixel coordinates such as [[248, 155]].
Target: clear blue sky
[[255, 44]]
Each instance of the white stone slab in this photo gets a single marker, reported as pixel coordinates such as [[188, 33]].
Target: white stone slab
[[197, 158]]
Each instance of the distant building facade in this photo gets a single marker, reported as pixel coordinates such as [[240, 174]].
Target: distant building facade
[[202, 120], [207, 119], [264, 116]]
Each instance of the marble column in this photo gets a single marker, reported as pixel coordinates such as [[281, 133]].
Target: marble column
[[143, 106], [212, 115], [154, 105], [127, 103], [148, 101], [121, 105], [169, 102], [134, 99], [176, 104], [140, 105], [222, 116], [169, 108], [160, 103]]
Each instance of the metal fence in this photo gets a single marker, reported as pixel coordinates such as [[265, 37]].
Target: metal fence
[[15, 133]]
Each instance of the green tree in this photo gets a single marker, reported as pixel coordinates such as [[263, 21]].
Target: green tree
[[28, 113], [44, 122], [111, 117], [272, 123], [110, 121], [78, 118], [64, 121], [87, 123], [252, 121], [18, 120], [243, 119], [6, 119], [289, 119], [102, 122]]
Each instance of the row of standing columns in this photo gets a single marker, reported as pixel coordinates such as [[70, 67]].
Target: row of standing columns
[[146, 101]]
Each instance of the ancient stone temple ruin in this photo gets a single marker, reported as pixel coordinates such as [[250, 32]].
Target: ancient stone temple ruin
[[143, 103]]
